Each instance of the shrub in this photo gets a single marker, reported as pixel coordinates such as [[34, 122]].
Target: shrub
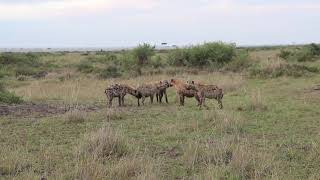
[[85, 67], [156, 62], [26, 71], [314, 49], [178, 57], [303, 55], [9, 98], [294, 70], [143, 53], [27, 59], [214, 54], [110, 72], [285, 54], [239, 63]]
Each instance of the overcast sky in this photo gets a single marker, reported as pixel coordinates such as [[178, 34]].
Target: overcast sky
[[109, 23]]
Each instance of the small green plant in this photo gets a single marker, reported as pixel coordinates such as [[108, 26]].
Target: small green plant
[[285, 54], [178, 57], [8, 97], [239, 63], [110, 72], [314, 49], [294, 70], [156, 62], [85, 67], [26, 71]]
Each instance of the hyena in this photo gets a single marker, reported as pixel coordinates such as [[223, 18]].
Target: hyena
[[184, 90], [120, 91], [162, 90], [146, 90], [207, 91]]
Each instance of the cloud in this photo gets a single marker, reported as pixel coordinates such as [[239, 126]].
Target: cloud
[[63, 8], [243, 7]]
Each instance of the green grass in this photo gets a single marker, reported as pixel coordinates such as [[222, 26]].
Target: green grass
[[268, 129]]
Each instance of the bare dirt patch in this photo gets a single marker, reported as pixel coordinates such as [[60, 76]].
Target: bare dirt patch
[[41, 110]]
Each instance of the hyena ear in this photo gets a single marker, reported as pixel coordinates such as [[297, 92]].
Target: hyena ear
[[192, 82], [160, 82]]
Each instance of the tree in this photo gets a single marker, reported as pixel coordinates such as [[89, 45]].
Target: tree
[[143, 53]]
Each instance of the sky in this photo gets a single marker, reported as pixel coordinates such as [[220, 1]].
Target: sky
[[121, 23]]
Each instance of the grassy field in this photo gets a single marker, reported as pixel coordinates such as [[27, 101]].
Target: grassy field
[[269, 127]]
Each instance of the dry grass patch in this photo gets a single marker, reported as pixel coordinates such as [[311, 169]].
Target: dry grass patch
[[224, 122], [104, 143], [13, 163], [230, 157], [76, 116], [257, 101], [106, 154]]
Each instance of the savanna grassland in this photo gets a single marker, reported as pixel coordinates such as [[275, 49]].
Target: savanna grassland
[[55, 124]]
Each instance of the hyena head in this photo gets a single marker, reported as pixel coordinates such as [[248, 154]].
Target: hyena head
[[190, 82], [165, 83]]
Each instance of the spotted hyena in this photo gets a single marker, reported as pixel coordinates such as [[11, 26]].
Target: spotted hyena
[[207, 91], [146, 90], [120, 91], [162, 87], [184, 90]]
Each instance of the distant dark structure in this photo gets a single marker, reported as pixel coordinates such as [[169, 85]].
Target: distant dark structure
[[164, 44]]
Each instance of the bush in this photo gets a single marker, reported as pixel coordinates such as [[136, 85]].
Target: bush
[[303, 54], [85, 67], [26, 59], [110, 72], [9, 98], [239, 63], [215, 54], [156, 62], [314, 49], [294, 70], [25, 71], [178, 57], [284, 54], [143, 53]]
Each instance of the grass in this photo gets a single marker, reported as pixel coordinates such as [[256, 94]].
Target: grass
[[268, 129]]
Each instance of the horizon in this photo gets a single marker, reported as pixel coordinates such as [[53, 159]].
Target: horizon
[[126, 23]]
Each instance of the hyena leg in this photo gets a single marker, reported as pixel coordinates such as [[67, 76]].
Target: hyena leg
[[220, 103], [151, 99], [119, 99], [110, 101], [158, 97], [143, 98], [138, 101], [161, 96], [203, 102], [165, 95], [182, 100], [122, 100], [198, 99]]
